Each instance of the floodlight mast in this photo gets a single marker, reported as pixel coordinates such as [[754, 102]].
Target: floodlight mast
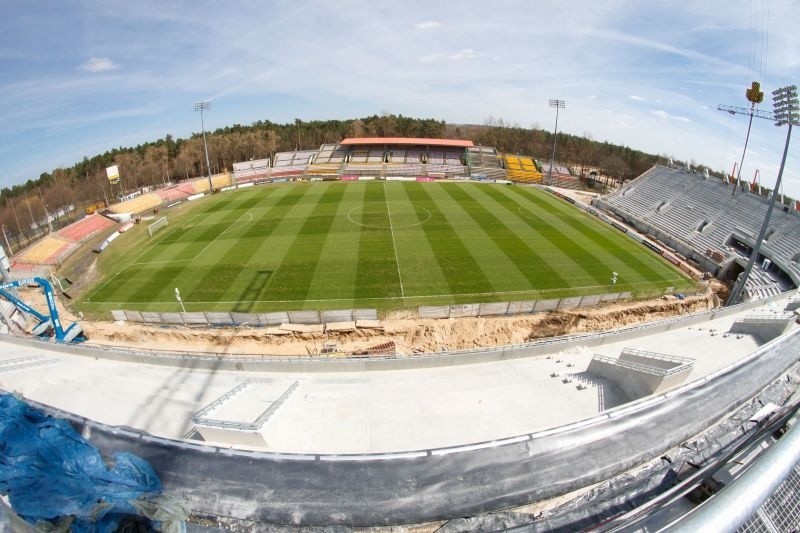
[[558, 104], [787, 112], [205, 106]]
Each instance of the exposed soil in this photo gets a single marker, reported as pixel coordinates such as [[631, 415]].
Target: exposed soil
[[411, 335]]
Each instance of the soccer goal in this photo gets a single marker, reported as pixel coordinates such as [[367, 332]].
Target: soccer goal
[[155, 226]]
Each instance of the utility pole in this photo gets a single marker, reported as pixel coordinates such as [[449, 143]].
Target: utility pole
[[14, 210], [787, 112]]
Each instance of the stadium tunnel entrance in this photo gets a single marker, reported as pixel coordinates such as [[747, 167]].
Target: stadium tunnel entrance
[[764, 262]]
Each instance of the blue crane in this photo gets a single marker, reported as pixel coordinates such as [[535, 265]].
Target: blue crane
[[73, 333]]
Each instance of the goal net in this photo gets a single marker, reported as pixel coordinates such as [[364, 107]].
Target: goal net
[[155, 226]]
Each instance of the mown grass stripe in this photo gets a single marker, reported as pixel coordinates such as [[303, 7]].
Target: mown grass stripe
[[376, 275], [536, 269], [462, 272], [644, 262], [130, 284], [192, 235], [292, 279], [493, 257], [226, 260], [575, 258], [267, 242], [417, 260], [335, 274]]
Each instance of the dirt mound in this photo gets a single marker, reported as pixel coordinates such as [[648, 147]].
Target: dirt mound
[[409, 335]]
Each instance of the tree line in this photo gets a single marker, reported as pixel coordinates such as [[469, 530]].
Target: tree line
[[24, 208]]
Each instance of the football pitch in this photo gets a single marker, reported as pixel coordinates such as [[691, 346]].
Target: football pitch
[[385, 245]]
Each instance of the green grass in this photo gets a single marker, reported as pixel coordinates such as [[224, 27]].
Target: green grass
[[383, 245]]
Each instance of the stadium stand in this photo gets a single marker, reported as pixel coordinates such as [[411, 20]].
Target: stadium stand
[[484, 161], [85, 228], [50, 250], [139, 204], [522, 169], [299, 159], [217, 180], [177, 192], [701, 219], [251, 170], [287, 164], [562, 176], [330, 170]]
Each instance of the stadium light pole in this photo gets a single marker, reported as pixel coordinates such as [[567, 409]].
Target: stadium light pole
[[786, 112], [558, 104], [205, 106]]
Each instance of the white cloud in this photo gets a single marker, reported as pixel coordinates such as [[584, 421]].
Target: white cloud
[[430, 58], [664, 116], [592, 97], [466, 53], [427, 25], [637, 98], [99, 64]]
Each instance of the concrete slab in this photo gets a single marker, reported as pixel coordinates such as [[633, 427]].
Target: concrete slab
[[302, 328], [340, 326], [342, 411], [369, 324]]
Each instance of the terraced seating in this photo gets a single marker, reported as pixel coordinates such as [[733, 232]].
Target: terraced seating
[[50, 250], [404, 169], [363, 169], [218, 181], [359, 156], [139, 204], [85, 228], [323, 169], [414, 155], [325, 153], [176, 192], [283, 159], [691, 201], [522, 169], [448, 171], [397, 156]]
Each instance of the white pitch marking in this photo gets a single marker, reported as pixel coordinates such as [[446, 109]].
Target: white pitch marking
[[394, 245]]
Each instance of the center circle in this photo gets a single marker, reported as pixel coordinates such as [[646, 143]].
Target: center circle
[[388, 215]]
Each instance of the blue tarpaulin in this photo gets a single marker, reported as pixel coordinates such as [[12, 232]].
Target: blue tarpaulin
[[50, 472]]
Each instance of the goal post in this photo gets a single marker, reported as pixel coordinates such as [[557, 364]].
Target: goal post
[[155, 226]]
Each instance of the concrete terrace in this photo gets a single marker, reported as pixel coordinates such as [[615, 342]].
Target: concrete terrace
[[374, 411]]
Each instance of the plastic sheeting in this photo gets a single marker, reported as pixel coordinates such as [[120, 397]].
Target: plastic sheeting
[[50, 473], [629, 490]]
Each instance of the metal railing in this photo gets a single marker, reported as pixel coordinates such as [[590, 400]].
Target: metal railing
[[739, 502]]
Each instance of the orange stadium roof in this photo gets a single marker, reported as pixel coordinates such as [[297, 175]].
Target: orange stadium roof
[[407, 140]]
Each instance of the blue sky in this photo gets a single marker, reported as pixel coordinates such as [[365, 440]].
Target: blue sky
[[78, 78]]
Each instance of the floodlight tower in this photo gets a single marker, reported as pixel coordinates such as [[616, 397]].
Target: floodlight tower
[[787, 112], [754, 96], [205, 106], [558, 104]]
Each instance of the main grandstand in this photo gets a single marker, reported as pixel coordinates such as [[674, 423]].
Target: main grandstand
[[585, 426]]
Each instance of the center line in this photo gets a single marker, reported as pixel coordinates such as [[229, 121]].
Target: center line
[[394, 244]]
